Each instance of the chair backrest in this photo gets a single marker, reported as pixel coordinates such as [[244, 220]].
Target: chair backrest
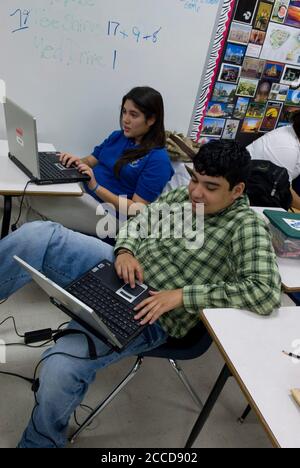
[[194, 344]]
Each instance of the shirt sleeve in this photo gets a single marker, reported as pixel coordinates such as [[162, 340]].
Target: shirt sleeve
[[99, 149], [255, 286], [134, 231], [154, 176]]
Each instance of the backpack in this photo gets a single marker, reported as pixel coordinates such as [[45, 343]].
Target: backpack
[[268, 185]]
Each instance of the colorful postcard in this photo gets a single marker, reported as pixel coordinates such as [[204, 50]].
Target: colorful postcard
[[229, 73], [293, 97], [252, 68], [251, 125], [256, 110], [246, 87], [241, 108], [235, 54], [213, 127], [239, 33], [287, 112], [245, 11], [280, 11], [282, 44], [219, 109], [271, 117], [257, 37], [291, 76], [293, 15], [263, 90], [231, 129], [224, 92], [278, 92], [263, 16], [273, 70]]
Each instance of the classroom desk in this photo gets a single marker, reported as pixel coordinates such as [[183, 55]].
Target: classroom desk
[[252, 349], [13, 181]]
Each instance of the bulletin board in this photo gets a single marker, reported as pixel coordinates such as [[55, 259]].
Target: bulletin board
[[257, 82]]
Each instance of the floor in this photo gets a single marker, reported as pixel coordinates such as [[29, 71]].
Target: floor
[[154, 410]]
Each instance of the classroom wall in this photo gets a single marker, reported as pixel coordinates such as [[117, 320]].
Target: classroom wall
[[69, 62]]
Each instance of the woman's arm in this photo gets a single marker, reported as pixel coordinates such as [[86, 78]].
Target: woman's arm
[[122, 204]]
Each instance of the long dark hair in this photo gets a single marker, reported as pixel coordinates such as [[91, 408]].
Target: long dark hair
[[150, 103]]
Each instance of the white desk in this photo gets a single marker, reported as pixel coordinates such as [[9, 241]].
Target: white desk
[[13, 182], [289, 269], [252, 348]]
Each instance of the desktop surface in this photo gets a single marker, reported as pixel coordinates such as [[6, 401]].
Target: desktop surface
[[252, 347]]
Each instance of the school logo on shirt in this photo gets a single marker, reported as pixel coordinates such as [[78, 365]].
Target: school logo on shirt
[[135, 163]]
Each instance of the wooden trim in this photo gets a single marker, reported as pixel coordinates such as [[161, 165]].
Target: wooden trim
[[287, 289]]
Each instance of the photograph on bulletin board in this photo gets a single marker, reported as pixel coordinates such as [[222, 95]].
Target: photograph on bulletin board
[[257, 87]]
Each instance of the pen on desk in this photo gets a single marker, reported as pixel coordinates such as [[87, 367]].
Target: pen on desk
[[291, 355]]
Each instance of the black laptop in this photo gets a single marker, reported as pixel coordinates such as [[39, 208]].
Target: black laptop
[[42, 167], [99, 300]]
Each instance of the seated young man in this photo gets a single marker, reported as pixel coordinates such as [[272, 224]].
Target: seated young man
[[235, 267]]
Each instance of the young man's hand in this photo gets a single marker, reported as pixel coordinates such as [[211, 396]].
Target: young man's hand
[[158, 304], [129, 269]]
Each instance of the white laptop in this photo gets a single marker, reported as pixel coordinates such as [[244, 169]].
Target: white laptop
[[42, 168]]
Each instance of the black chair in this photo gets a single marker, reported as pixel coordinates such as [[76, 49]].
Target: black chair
[[193, 345]]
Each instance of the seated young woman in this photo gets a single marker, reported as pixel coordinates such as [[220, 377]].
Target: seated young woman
[[130, 166]]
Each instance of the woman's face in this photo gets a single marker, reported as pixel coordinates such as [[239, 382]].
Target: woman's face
[[134, 123]]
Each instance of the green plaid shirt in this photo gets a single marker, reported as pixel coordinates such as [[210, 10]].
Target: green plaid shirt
[[236, 266]]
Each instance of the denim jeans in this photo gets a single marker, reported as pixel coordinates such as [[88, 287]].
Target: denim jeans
[[62, 255]]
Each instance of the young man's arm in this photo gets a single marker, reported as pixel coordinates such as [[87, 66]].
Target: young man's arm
[[255, 283]]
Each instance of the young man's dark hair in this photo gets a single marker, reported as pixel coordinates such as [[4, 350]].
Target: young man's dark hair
[[224, 158]]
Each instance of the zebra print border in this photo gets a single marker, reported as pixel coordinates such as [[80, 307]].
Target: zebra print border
[[213, 65]]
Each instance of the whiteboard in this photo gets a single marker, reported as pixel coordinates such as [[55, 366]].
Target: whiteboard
[[69, 62]]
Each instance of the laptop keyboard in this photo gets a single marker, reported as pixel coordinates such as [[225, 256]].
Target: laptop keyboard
[[48, 169], [117, 316]]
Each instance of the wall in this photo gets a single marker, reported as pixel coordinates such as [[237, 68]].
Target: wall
[[69, 62]]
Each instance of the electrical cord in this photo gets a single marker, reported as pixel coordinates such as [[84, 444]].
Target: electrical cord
[[14, 226], [14, 322], [36, 381]]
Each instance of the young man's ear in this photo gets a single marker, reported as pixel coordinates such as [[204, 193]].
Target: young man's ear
[[238, 190]]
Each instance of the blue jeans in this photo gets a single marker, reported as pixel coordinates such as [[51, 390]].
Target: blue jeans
[[62, 255]]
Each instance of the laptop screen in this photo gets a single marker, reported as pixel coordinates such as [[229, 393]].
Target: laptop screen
[[22, 136]]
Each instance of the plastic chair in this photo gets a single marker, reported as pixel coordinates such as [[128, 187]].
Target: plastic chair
[[193, 345]]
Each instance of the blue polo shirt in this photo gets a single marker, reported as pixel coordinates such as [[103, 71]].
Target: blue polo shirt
[[146, 177]]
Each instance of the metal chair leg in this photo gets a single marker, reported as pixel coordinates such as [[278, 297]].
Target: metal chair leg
[[107, 400], [186, 383], [245, 414]]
